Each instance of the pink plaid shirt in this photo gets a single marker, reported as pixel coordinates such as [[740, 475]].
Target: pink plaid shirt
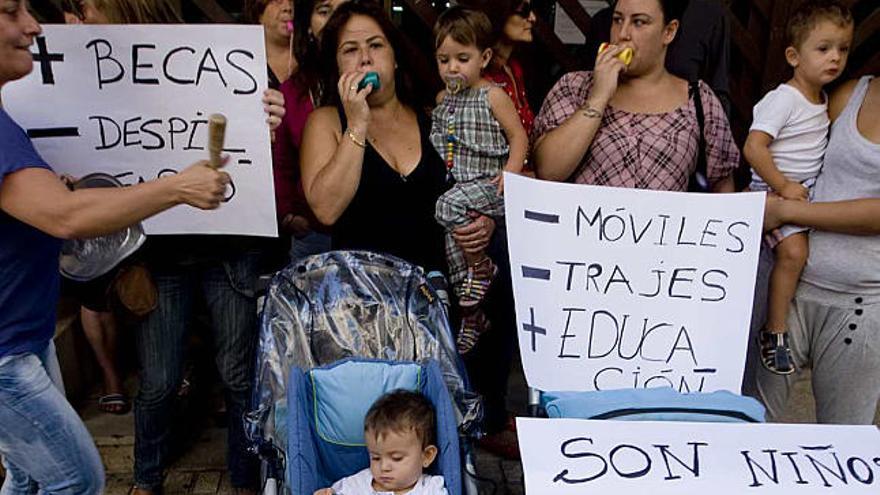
[[643, 151]]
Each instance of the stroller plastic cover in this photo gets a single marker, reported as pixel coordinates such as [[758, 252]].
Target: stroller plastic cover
[[344, 304]]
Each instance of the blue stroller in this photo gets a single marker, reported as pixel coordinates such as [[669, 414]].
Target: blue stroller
[[349, 304], [326, 408]]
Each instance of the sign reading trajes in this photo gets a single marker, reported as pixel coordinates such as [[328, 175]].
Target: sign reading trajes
[[574, 456], [623, 288], [133, 101]]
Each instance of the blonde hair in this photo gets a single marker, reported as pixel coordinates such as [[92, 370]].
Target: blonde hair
[[140, 11]]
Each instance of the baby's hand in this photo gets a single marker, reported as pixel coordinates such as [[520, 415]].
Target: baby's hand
[[794, 190], [324, 491]]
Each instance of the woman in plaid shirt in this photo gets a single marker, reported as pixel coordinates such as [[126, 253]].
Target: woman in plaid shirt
[[633, 125]]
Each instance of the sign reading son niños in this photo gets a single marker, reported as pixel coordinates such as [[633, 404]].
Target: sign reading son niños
[[623, 288], [133, 101], [574, 456]]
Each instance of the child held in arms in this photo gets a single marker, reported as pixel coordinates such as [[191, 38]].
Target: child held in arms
[[786, 148]]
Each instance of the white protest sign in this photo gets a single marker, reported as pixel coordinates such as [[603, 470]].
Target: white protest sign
[[133, 101], [624, 288], [575, 456]]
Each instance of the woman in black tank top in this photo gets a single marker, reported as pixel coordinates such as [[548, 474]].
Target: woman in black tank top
[[368, 169], [394, 213]]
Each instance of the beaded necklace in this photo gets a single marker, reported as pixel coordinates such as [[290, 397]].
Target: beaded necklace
[[453, 87], [450, 142]]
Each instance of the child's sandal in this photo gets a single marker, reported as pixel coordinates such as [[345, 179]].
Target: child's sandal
[[775, 351], [473, 323], [475, 286]]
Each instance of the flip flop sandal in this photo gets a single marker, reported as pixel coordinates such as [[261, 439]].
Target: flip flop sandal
[[114, 404]]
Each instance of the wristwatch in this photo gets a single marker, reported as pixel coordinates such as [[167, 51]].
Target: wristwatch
[[591, 113]]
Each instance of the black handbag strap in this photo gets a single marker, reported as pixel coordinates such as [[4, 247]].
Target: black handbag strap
[[699, 181]]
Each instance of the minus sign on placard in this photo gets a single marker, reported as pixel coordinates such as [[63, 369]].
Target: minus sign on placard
[[244, 162], [538, 216], [535, 272], [234, 150], [53, 132]]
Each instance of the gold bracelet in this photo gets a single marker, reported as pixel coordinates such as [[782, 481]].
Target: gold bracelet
[[354, 139]]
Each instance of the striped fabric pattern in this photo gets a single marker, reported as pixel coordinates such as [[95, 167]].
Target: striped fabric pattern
[[452, 211], [480, 149]]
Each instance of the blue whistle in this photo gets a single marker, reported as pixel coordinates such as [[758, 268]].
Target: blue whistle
[[370, 78]]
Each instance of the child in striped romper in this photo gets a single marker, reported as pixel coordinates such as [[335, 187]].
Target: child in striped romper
[[476, 128]]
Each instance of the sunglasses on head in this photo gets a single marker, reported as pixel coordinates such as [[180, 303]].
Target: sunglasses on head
[[524, 9]]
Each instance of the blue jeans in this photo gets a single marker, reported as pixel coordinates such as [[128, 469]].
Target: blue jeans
[[228, 290], [44, 444]]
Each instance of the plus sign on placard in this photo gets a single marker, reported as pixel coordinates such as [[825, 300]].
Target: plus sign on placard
[[45, 59], [533, 328]]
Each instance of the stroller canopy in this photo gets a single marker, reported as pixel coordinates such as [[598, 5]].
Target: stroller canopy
[[344, 304]]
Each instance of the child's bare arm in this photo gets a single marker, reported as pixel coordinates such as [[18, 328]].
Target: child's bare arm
[[505, 113], [324, 491], [757, 153]]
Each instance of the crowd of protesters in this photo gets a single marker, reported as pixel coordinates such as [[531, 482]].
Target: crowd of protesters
[[363, 166]]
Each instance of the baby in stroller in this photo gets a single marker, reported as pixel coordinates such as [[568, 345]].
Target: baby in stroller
[[399, 431]]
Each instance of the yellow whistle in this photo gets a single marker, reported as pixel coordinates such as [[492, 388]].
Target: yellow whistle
[[625, 56]]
